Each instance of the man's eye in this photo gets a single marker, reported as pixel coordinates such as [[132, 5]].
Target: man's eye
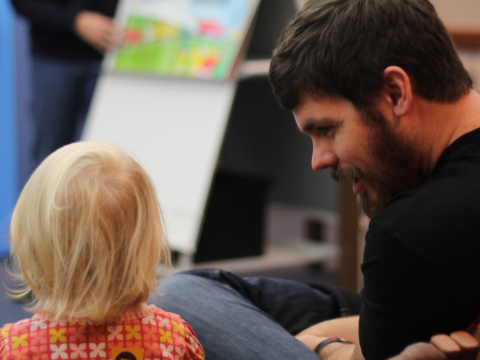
[[325, 130]]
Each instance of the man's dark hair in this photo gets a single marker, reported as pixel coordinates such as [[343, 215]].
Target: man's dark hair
[[341, 48]]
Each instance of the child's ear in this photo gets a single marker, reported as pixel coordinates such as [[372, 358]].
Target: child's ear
[[397, 90]]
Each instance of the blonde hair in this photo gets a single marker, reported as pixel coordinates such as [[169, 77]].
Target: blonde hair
[[87, 233]]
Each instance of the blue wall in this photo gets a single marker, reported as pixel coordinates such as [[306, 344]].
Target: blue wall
[[8, 136]]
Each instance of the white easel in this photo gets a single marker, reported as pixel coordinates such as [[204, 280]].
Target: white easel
[[174, 128]]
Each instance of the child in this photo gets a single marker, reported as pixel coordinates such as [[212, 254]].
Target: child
[[87, 237]]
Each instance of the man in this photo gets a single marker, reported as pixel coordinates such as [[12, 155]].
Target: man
[[381, 92], [68, 40]]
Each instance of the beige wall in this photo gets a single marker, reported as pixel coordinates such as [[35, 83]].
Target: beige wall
[[459, 15]]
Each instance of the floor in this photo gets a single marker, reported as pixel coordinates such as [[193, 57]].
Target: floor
[[12, 311]]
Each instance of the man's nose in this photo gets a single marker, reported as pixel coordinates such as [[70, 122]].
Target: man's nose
[[323, 159]]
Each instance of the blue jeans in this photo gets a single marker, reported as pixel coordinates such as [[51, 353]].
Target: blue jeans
[[255, 318], [62, 91]]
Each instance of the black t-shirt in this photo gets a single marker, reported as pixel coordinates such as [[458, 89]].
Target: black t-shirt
[[421, 263], [52, 30]]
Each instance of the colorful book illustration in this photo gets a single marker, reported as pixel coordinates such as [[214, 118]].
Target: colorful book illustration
[[183, 38]]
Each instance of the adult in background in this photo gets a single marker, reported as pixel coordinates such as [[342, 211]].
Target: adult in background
[[68, 40], [378, 87]]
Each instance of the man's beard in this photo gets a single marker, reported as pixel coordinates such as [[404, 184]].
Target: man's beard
[[396, 162]]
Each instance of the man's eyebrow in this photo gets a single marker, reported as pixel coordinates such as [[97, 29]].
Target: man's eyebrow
[[311, 124]]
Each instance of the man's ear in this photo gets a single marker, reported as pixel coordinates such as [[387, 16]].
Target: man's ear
[[398, 90]]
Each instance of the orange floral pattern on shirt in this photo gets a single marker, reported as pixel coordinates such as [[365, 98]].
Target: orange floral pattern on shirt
[[161, 334]]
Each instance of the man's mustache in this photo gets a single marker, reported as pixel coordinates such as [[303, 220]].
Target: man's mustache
[[351, 172]]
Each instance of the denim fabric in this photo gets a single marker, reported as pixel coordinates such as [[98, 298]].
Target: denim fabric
[[62, 91], [236, 318]]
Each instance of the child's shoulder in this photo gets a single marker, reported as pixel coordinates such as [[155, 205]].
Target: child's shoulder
[[166, 315], [162, 318], [176, 334], [168, 319], [21, 327], [151, 315], [18, 332]]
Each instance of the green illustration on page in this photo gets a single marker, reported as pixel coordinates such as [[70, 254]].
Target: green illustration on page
[[183, 38]]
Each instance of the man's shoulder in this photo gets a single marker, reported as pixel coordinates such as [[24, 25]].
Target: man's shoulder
[[449, 198], [438, 223]]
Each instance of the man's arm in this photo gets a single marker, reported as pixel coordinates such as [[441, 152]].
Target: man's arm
[[337, 351], [45, 13], [346, 328], [98, 30], [333, 351], [420, 351]]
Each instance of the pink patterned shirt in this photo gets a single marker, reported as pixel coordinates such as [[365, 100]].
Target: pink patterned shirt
[[149, 334]]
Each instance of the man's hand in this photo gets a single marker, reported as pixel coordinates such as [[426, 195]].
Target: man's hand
[[346, 328], [310, 340], [420, 351], [333, 351], [98, 30]]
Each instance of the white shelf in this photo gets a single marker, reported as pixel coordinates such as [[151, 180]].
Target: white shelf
[[254, 68], [278, 254]]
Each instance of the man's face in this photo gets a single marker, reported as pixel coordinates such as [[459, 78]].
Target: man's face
[[380, 161]]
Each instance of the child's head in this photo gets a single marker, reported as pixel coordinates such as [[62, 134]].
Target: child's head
[[87, 233]]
